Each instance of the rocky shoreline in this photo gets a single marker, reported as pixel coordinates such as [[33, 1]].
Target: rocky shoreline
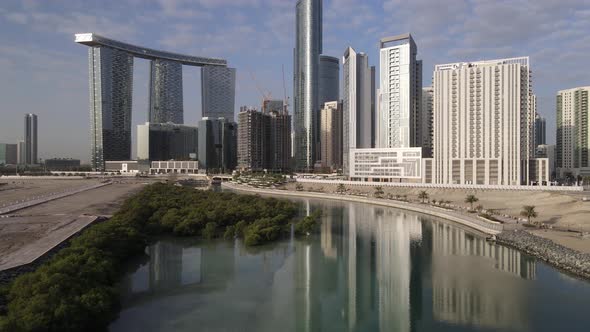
[[569, 260]]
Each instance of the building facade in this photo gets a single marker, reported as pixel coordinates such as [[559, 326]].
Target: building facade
[[331, 135], [386, 164], [573, 135], [400, 88], [280, 141], [166, 104], [166, 141], [31, 139], [356, 104], [253, 136], [62, 164], [329, 88], [110, 65], [217, 145], [20, 153], [426, 118], [306, 62], [218, 91], [483, 123], [540, 128], [8, 154]]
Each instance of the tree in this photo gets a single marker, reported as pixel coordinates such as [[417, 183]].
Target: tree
[[471, 199], [423, 195], [528, 211], [298, 187], [379, 192], [341, 189]]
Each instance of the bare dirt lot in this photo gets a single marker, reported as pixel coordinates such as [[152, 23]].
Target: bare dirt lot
[[29, 233]]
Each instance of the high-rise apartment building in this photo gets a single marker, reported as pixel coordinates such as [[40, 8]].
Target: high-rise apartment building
[[540, 130], [31, 139], [331, 135], [483, 124], [573, 133], [218, 90], [425, 123], [356, 104], [306, 62], [165, 92], [400, 87], [264, 139], [166, 141]]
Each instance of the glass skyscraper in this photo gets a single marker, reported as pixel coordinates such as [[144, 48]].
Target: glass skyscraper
[[166, 92], [218, 89], [308, 47], [30, 139]]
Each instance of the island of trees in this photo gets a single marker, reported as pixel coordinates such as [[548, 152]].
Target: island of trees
[[77, 289]]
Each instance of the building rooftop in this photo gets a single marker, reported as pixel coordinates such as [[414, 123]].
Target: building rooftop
[[524, 61]]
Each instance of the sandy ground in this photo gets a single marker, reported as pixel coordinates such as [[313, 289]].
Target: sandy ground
[[18, 190], [29, 233], [561, 210]]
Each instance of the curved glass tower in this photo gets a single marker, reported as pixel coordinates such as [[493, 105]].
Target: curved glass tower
[[308, 47]]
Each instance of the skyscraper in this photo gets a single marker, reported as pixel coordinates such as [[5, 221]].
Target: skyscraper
[[217, 151], [30, 139], [8, 154], [573, 134], [483, 123], [306, 59], [400, 87], [165, 92], [111, 88], [540, 130], [356, 105], [331, 135], [280, 140], [218, 90], [426, 118], [329, 79]]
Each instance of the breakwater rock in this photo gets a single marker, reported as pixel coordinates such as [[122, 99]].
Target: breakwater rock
[[564, 258]]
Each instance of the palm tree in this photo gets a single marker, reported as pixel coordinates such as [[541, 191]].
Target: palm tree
[[423, 196], [528, 211], [379, 191], [341, 188], [471, 199]]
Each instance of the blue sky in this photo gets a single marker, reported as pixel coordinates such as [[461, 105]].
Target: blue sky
[[44, 72]]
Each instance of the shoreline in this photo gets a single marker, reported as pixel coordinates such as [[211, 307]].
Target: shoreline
[[565, 259]]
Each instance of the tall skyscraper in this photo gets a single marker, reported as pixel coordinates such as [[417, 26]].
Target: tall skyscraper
[[111, 88], [356, 105], [426, 118], [573, 134], [306, 59], [280, 140], [400, 87], [373, 93], [540, 130], [166, 141], [8, 154], [483, 130], [331, 135], [31, 139], [217, 145], [329, 79], [20, 153], [218, 90], [165, 92]]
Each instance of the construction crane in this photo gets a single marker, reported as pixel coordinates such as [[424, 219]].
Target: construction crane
[[265, 96]]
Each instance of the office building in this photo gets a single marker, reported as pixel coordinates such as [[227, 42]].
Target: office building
[[31, 139], [483, 124], [165, 92], [218, 90], [8, 154], [400, 87], [175, 167], [306, 61], [386, 165], [111, 87], [166, 141], [331, 135], [426, 118], [62, 164], [573, 135], [329, 88], [356, 104], [540, 125], [373, 92], [264, 139], [217, 145]]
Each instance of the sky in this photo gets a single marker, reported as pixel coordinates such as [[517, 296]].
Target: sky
[[43, 71]]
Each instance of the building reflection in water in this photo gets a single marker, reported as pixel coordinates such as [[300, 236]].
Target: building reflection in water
[[474, 292]]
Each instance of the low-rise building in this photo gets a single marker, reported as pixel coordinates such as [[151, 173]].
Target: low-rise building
[[386, 165], [62, 164], [176, 167]]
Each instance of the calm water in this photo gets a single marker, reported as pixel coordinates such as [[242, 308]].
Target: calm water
[[370, 269]]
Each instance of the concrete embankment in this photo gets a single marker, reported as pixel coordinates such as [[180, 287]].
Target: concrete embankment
[[478, 224], [564, 258]]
